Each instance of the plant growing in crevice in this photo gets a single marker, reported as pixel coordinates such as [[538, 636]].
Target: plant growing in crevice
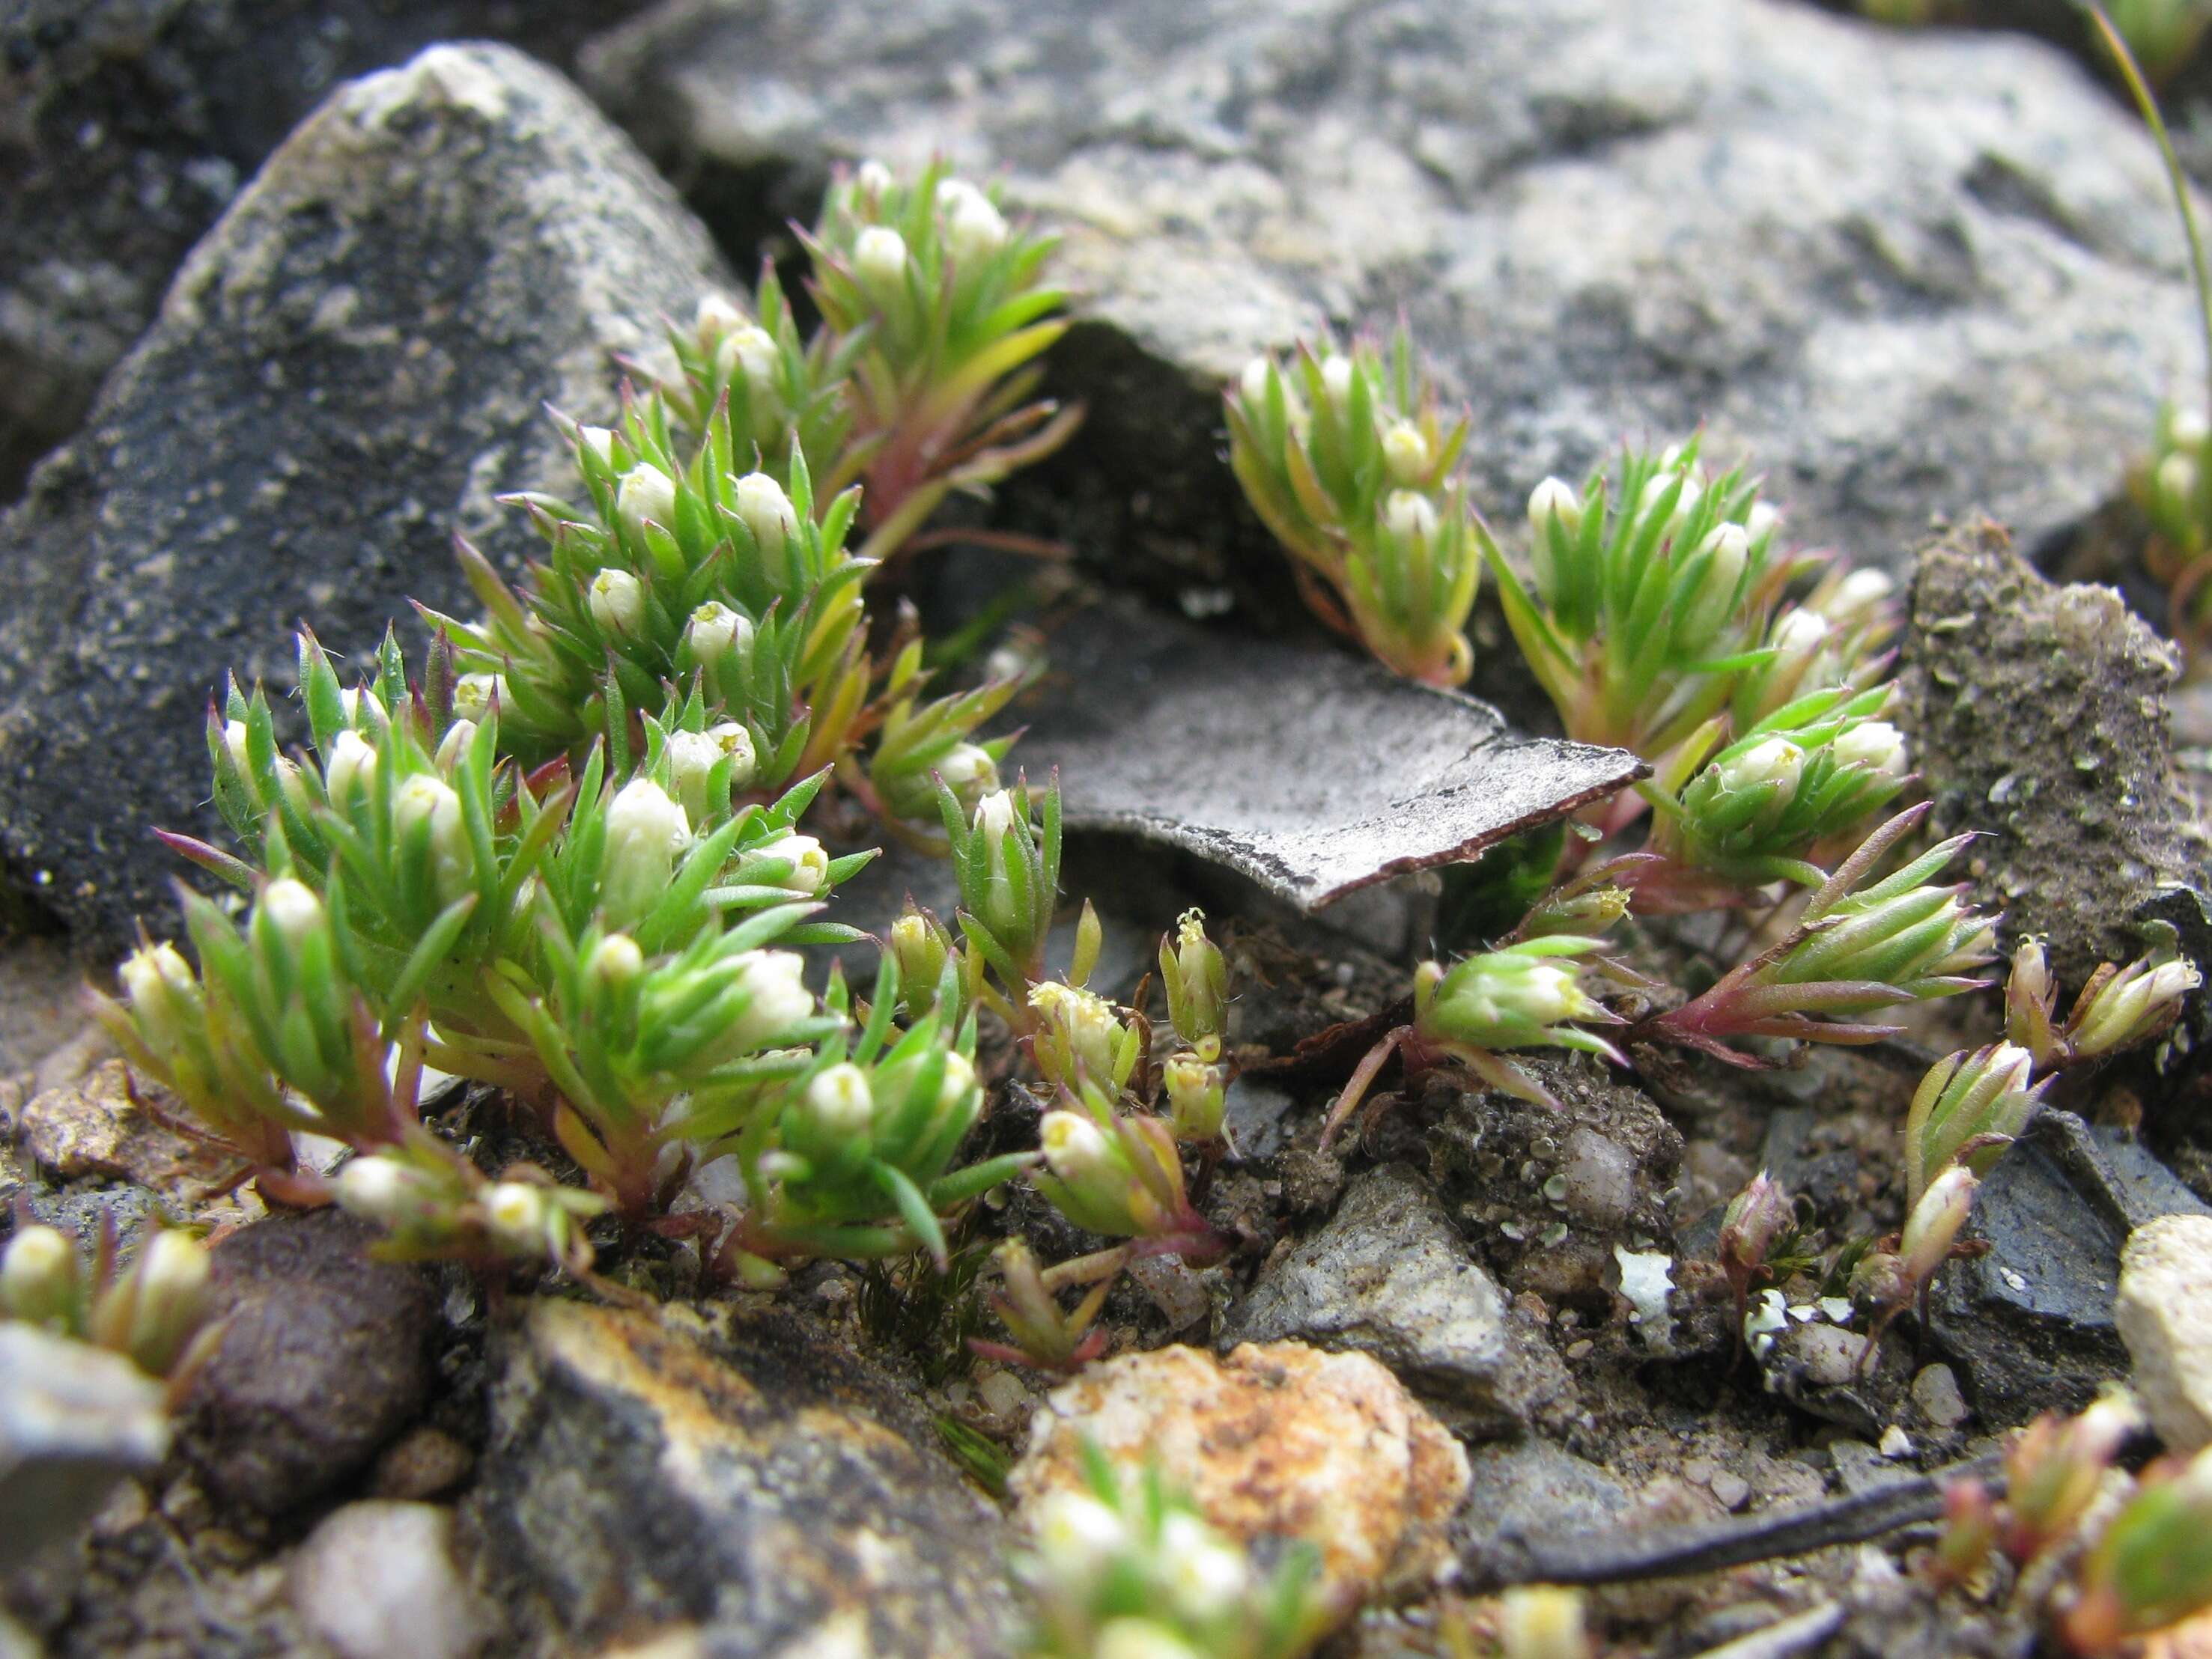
[[1344, 454], [153, 1311], [2117, 1007]]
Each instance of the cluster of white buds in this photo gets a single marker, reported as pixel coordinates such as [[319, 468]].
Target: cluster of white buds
[[645, 831]]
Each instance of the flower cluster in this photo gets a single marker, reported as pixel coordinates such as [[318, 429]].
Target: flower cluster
[[1346, 456], [153, 1311], [1131, 1569], [434, 1204]]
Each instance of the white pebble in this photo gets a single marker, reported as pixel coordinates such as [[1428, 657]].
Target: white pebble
[[376, 1580]]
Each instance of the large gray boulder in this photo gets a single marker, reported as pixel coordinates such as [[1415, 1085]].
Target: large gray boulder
[[349, 369], [1908, 272], [129, 126]]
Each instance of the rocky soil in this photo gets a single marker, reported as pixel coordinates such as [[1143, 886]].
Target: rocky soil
[[279, 334]]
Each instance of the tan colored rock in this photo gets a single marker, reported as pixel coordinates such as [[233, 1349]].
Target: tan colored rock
[[99, 1125], [2164, 1310], [1277, 1440]]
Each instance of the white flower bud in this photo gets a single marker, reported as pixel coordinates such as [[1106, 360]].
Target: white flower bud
[[292, 909], [692, 756], [810, 864], [959, 1077], [1730, 547], [2177, 478], [39, 1274], [718, 315], [424, 799], [158, 982], [234, 745], [841, 1101], [714, 628], [873, 178], [172, 1269], [735, 741], [879, 259], [352, 769], [1252, 384], [1204, 1577], [1410, 516], [376, 1189], [1936, 1221], [1077, 1537], [615, 960], [1405, 453], [1860, 598], [515, 1213], [974, 230], [2188, 429], [1336, 382], [1762, 521], [1074, 1147], [749, 354], [642, 819], [2171, 980], [777, 997], [617, 602], [644, 493], [454, 745], [600, 441], [1875, 744], [1554, 499], [766, 510], [967, 770], [1546, 994], [994, 815], [1772, 761], [1800, 635]]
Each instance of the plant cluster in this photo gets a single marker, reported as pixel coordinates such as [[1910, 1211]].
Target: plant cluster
[[153, 1310], [1130, 1570], [567, 857]]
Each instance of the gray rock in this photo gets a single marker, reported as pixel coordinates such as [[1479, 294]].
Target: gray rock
[[131, 124], [74, 1421], [1390, 1276], [325, 1358], [2164, 1312], [1311, 773], [1844, 248], [1529, 1488], [761, 1484], [350, 368], [2039, 713]]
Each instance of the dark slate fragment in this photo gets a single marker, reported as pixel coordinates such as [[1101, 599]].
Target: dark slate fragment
[[1311, 772], [352, 363], [761, 1485], [324, 1357]]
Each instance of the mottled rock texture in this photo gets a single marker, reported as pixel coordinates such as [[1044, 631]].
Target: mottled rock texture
[[1277, 1441], [2164, 1311], [758, 1485], [126, 126], [1911, 272], [348, 370], [2039, 719]]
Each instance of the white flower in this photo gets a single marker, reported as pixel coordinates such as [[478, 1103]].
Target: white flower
[[515, 1213], [38, 1262], [692, 757], [879, 259], [600, 442], [1074, 1146], [1875, 744], [714, 628], [994, 816], [735, 741], [1771, 761], [1410, 516], [1077, 1537], [871, 179], [292, 909], [776, 997], [645, 831], [973, 228], [424, 800], [376, 1188], [808, 862], [474, 694], [717, 316], [617, 960], [645, 492], [1405, 452], [2177, 478], [157, 979], [766, 510], [968, 768], [617, 602], [748, 353], [352, 767], [1204, 1577], [1336, 382], [841, 1101]]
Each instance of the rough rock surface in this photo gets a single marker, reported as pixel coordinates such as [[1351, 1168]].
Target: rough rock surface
[[779, 1495], [73, 1420], [1163, 731], [98, 1125], [2164, 1311], [1842, 246], [1390, 1276], [1276, 1441], [349, 368], [377, 1580], [2039, 713], [131, 123], [324, 1357]]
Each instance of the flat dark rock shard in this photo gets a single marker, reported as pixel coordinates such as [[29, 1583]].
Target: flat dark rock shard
[[1309, 771]]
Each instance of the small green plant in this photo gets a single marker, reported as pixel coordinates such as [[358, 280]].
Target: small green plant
[[2151, 1567], [2117, 1008], [1346, 456], [153, 1311], [1896, 1271], [435, 1205], [1524, 995], [1859, 947], [1130, 1570], [1967, 1109]]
